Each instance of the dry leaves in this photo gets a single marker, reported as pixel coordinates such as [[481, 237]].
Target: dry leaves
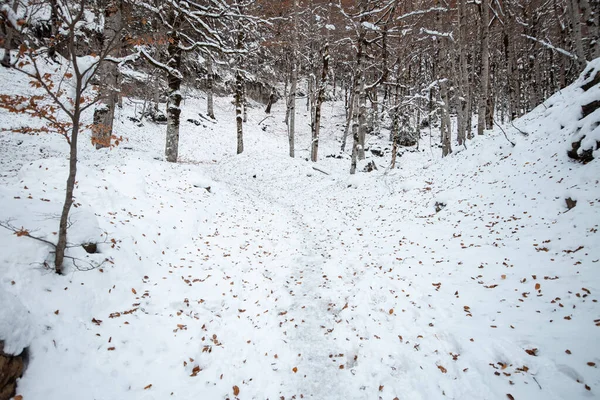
[[148, 387], [236, 390], [444, 370]]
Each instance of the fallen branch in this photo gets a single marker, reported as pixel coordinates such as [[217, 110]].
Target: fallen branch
[[520, 131], [262, 120], [321, 171], [505, 135]]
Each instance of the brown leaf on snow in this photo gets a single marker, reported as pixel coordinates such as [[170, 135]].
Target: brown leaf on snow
[[391, 311], [196, 370], [96, 321], [510, 396], [381, 388], [537, 286], [133, 291], [532, 352], [591, 364], [295, 369], [236, 390], [148, 387], [444, 370]]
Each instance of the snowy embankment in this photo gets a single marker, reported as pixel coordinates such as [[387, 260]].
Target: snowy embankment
[[256, 276]]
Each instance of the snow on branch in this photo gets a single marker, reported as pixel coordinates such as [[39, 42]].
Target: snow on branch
[[439, 34], [552, 47], [170, 70], [421, 12]]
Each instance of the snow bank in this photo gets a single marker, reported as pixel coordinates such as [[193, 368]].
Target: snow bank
[[16, 327]]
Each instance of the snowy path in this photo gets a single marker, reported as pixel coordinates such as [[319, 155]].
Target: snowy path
[[254, 276]]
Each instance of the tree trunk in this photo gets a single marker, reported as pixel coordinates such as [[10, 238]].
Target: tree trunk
[[485, 65], [174, 100], [239, 95], [576, 35], [210, 82], [270, 103], [362, 117], [316, 127], [9, 38], [104, 113], [463, 77], [359, 90], [244, 101], [349, 116], [291, 106], [446, 123]]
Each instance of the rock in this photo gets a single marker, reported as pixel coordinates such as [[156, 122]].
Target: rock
[[595, 81], [585, 155], [439, 206], [90, 248], [377, 152], [587, 109], [370, 167], [11, 369]]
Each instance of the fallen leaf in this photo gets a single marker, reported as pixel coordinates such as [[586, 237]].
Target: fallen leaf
[[148, 387], [133, 291], [531, 352], [510, 396], [591, 364], [236, 390], [537, 286], [444, 370], [295, 369]]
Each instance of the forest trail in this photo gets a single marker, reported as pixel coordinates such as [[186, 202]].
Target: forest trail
[[305, 253]]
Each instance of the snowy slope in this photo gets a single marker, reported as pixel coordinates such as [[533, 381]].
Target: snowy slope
[[282, 281]]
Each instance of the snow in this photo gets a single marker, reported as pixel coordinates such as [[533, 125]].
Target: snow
[[283, 281], [16, 327]]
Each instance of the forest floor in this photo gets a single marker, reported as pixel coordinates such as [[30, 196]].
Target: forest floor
[[255, 276]]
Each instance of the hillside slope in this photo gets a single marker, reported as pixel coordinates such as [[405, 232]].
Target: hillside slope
[[256, 276]]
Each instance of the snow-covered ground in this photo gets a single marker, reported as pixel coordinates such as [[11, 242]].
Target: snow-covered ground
[[255, 276]]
